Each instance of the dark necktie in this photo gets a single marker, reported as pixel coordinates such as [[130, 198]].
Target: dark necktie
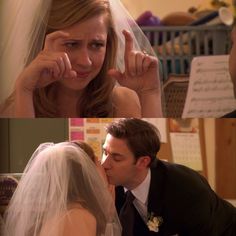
[[127, 214]]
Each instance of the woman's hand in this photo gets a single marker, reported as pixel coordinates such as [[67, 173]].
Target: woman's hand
[[48, 67], [141, 69], [141, 75]]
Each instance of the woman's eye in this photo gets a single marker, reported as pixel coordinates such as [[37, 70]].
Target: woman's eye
[[71, 44], [97, 45]]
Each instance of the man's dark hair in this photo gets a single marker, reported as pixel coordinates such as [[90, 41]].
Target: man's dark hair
[[141, 137]]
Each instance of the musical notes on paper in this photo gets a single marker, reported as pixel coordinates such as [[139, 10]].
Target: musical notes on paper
[[210, 91]]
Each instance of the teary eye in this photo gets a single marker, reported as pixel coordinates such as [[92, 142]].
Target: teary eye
[[97, 44], [71, 44]]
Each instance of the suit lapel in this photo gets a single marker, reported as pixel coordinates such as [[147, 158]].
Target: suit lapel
[[156, 194], [157, 186]]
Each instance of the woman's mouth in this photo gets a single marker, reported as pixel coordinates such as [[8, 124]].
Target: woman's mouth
[[82, 75]]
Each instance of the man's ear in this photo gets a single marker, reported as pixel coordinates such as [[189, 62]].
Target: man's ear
[[143, 162]]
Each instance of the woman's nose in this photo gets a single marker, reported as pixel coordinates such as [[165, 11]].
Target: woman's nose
[[83, 58]]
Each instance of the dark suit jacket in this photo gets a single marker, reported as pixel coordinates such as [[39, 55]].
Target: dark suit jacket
[[185, 201]]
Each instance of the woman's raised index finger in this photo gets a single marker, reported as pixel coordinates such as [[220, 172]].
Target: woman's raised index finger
[[128, 42], [50, 39]]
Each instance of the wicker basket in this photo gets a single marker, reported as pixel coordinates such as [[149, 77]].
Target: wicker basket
[[175, 91]]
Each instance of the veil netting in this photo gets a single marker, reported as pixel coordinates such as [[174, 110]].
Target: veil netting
[[21, 23], [56, 177], [28, 22]]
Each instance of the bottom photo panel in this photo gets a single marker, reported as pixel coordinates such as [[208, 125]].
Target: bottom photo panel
[[121, 176]]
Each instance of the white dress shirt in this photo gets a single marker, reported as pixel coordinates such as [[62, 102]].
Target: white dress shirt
[[141, 196]]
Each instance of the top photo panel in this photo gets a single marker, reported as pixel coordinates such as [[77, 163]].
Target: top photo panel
[[116, 58]]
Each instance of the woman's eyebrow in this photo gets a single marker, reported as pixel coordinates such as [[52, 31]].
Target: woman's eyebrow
[[81, 40], [72, 39]]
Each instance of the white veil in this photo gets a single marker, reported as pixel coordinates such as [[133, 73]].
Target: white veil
[[123, 20], [55, 176], [27, 22], [21, 22]]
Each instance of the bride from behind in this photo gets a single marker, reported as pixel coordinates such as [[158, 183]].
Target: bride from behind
[[61, 194]]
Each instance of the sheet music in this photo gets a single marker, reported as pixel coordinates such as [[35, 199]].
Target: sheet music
[[210, 91]]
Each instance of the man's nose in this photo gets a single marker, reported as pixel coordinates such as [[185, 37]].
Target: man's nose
[[105, 161]]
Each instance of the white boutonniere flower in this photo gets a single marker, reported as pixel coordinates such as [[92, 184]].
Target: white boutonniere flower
[[154, 222]]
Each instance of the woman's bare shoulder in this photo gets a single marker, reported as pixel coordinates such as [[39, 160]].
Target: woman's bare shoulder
[[79, 221], [74, 222], [81, 213], [126, 102]]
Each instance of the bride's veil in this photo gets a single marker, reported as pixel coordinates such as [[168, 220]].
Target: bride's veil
[[23, 25], [123, 20], [57, 176]]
